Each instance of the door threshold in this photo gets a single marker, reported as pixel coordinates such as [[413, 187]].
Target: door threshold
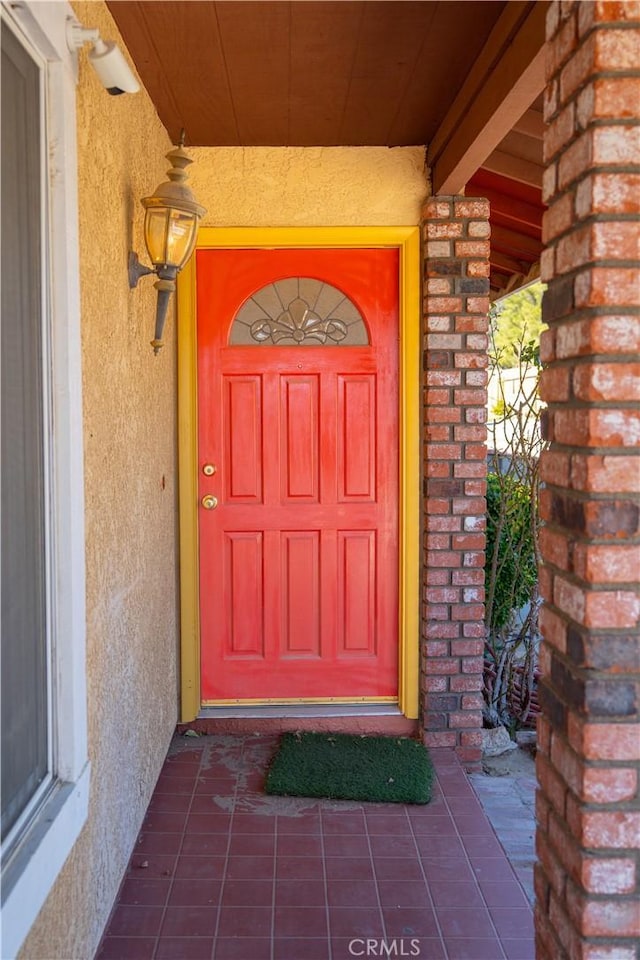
[[300, 710]]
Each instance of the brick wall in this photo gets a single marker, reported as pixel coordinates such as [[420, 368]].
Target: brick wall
[[456, 304], [587, 878]]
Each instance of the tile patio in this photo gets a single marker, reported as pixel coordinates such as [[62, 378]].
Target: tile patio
[[223, 872]]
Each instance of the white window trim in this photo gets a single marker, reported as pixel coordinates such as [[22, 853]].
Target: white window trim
[[56, 828]]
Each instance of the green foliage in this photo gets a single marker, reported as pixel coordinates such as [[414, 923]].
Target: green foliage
[[511, 557], [516, 323]]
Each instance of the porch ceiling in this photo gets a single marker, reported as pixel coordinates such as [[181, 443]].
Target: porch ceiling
[[304, 73], [462, 77]]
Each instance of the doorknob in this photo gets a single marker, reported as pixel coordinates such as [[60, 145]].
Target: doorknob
[[209, 502]]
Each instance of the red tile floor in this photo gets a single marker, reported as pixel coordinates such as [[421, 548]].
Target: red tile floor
[[223, 872]]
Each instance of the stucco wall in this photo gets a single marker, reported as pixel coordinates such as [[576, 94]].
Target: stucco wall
[[130, 464], [309, 186]]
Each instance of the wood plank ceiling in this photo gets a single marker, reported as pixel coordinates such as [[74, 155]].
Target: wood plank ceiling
[[336, 72], [303, 73]]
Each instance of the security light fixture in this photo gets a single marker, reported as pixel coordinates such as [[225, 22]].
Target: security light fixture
[[170, 229]]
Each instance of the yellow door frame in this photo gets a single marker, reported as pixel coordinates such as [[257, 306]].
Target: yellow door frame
[[407, 241]]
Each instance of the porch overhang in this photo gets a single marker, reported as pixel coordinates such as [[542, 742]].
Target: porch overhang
[[464, 79]]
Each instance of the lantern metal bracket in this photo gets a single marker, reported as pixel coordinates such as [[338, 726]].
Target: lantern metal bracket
[[137, 270]]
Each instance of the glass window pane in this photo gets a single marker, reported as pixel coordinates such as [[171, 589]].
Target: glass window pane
[[24, 639], [299, 311]]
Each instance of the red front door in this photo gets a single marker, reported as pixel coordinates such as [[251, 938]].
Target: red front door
[[298, 414]]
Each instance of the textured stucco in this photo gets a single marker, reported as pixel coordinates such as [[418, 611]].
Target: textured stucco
[[309, 186], [130, 480]]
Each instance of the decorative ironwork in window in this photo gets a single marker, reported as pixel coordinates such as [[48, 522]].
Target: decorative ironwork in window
[[299, 311]]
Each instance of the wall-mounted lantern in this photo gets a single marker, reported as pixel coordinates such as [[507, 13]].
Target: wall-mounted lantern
[[170, 229]]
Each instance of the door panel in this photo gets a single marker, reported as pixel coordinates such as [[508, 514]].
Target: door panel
[[300, 437], [242, 470], [299, 562]]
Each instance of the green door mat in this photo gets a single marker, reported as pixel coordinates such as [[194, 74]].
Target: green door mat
[[341, 766]]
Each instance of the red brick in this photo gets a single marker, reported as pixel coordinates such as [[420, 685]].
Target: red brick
[[466, 648], [616, 875], [438, 231], [554, 384], [612, 785], [597, 427], [610, 286], [559, 132], [471, 208], [603, 334], [442, 739], [478, 268], [469, 397], [605, 741], [472, 248], [450, 523], [471, 738], [437, 398], [554, 871], [443, 451], [614, 145], [577, 69], [479, 229], [478, 305], [564, 43], [469, 682], [575, 160], [605, 474], [434, 684], [609, 609], [464, 719], [552, 783], [606, 564], [450, 667], [616, 50], [438, 287], [548, 346], [555, 467], [443, 378], [608, 193], [446, 630], [554, 629], [438, 208], [607, 381], [437, 249], [558, 218], [603, 951], [610, 918], [443, 304], [614, 830]]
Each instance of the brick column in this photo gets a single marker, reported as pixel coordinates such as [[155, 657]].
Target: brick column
[[456, 305], [587, 878]]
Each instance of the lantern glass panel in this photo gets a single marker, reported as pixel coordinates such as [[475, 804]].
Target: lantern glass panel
[[170, 235]]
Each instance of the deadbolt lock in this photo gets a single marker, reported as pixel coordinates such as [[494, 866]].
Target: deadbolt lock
[[209, 469]]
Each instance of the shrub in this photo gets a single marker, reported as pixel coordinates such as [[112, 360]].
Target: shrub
[[511, 567]]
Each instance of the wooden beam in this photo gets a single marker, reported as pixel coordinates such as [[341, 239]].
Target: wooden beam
[[531, 123], [514, 167], [510, 207], [504, 82], [512, 242], [507, 264]]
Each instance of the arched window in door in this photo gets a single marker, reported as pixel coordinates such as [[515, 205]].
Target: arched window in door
[[299, 311]]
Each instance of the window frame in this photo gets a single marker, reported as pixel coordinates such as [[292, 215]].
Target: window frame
[[44, 844]]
